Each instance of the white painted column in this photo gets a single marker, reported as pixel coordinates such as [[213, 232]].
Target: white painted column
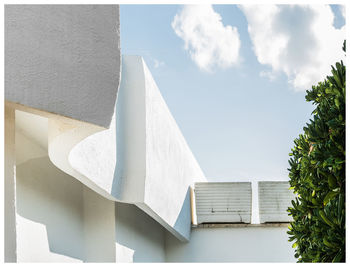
[[10, 186], [99, 227]]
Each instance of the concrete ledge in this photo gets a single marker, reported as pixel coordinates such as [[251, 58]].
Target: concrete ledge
[[239, 225]]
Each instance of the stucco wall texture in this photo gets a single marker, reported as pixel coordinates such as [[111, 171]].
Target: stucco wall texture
[[232, 244], [63, 59]]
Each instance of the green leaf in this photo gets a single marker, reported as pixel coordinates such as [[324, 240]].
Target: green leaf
[[338, 257], [328, 244], [329, 197], [337, 103], [332, 182], [313, 193], [325, 219]]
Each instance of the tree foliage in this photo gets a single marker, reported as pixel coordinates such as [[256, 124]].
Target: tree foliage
[[317, 175]]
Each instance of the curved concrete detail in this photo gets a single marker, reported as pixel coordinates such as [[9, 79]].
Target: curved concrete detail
[[63, 138], [141, 159]]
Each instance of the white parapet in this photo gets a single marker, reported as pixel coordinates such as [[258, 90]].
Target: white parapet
[[274, 200], [229, 202]]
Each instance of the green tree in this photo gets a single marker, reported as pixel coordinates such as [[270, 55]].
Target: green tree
[[317, 175]]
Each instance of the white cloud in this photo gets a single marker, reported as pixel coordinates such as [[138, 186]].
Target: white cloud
[[208, 41], [298, 40]]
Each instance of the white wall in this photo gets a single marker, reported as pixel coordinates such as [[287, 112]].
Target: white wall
[[49, 208], [61, 220], [232, 244], [58, 218], [99, 227], [138, 237]]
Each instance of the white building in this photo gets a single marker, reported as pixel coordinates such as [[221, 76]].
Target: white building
[[96, 168]]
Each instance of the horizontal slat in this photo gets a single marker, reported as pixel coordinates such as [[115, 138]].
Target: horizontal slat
[[237, 215], [273, 209], [213, 187], [224, 213], [223, 198], [199, 205], [223, 210], [228, 196], [223, 189], [221, 183], [230, 192], [219, 198], [279, 204], [222, 206]]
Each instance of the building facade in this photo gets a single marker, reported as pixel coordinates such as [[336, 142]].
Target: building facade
[[96, 168]]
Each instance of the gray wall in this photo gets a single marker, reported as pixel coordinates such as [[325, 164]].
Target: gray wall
[[138, 237], [63, 59]]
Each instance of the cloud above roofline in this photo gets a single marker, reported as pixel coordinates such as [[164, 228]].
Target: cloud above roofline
[[209, 43], [298, 40]]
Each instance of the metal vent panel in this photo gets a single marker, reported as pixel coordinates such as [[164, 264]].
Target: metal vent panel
[[223, 202], [274, 200]]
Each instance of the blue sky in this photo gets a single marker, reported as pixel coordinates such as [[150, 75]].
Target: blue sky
[[241, 109]]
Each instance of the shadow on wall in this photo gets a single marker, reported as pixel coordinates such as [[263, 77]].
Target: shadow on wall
[[183, 221], [139, 238], [50, 197]]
